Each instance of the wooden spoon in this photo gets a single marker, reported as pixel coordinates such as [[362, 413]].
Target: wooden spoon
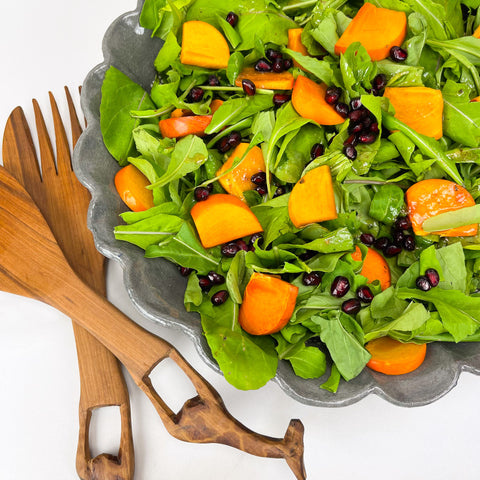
[[33, 265]]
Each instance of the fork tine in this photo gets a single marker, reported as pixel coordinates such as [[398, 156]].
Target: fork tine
[[64, 160], [47, 158], [75, 124], [19, 156]]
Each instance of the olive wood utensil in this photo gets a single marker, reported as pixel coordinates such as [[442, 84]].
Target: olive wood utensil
[[63, 201], [33, 265]]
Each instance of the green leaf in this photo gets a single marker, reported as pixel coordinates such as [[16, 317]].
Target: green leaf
[[193, 293], [318, 68], [168, 53], [237, 277], [331, 385], [387, 203], [232, 35], [453, 219]]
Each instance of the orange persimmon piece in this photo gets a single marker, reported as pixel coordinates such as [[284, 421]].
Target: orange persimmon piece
[[377, 29], [295, 42], [476, 33], [433, 196], [268, 303], [268, 80], [131, 185], [374, 267], [239, 179], [183, 126], [215, 105], [308, 99], [180, 112], [312, 198], [223, 218], [476, 99], [421, 108], [392, 357], [203, 46]]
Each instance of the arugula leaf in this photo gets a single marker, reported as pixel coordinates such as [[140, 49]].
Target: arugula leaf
[[387, 203]]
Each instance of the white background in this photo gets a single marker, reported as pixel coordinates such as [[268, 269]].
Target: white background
[[44, 46]]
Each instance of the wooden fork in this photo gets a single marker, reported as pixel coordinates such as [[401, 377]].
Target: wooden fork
[[64, 201]]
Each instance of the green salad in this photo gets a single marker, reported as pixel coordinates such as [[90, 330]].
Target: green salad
[[312, 167]]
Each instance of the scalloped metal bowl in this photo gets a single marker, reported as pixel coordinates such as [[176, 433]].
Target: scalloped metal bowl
[[155, 286]]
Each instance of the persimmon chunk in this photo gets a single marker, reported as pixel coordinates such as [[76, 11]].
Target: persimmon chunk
[[377, 29], [476, 33], [308, 99], [295, 43], [223, 218], [392, 357], [176, 127], [239, 179], [268, 80], [312, 198], [431, 197], [421, 108], [203, 46], [131, 185], [268, 303], [374, 267]]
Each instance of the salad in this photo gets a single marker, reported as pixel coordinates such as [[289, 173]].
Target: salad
[[312, 168]]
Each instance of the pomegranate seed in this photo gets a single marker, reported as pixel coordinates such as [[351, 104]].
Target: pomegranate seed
[[219, 298], [432, 276], [379, 82], [312, 279], [350, 152], [403, 223], [261, 189], [232, 18], [280, 98], [263, 66], [259, 178], [279, 191], [248, 87], [272, 54], [332, 95], [367, 138], [351, 140], [223, 146], [195, 95], [277, 65], [287, 64], [254, 238], [242, 245], [365, 294], [340, 286], [229, 250], [355, 127], [215, 278], [392, 250], [307, 255], [366, 123], [398, 54], [374, 128], [205, 283], [356, 115], [342, 109], [209, 187], [185, 272], [422, 283], [213, 81], [367, 239], [201, 194], [351, 306], [317, 150], [381, 243], [355, 103], [409, 243], [398, 237]]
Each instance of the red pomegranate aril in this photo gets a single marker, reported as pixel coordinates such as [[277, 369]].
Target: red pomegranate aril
[[223, 145], [365, 294], [242, 245], [205, 283], [254, 238], [248, 87], [195, 95], [287, 64], [261, 189], [317, 150], [259, 178], [213, 81], [215, 278], [366, 123], [398, 237], [279, 191], [332, 95], [374, 128], [379, 82], [392, 250], [403, 223], [185, 271], [342, 109], [352, 306], [209, 187], [356, 115], [355, 127], [340, 286], [352, 140], [398, 54], [381, 243], [312, 279], [350, 152], [201, 194], [367, 138], [232, 18], [432, 276], [234, 139], [409, 243], [355, 103], [277, 65], [422, 283], [273, 54], [229, 250], [263, 66], [280, 99], [307, 255], [367, 239], [219, 298]]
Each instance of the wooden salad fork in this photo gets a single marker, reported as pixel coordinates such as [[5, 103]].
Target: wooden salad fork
[[63, 201], [33, 265]]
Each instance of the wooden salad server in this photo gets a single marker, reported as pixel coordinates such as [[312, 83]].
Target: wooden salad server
[[63, 201], [33, 265]]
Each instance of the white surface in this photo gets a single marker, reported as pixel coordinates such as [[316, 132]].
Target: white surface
[[44, 46]]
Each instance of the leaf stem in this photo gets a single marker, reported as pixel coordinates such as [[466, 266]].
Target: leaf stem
[[263, 91], [295, 6]]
